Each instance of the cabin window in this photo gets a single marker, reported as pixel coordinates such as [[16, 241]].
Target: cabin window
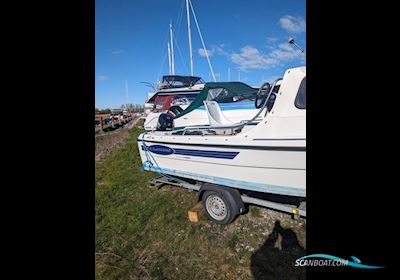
[[301, 95], [160, 104], [191, 97], [213, 93]]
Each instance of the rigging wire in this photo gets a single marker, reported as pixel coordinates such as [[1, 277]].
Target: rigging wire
[[177, 29], [179, 19], [165, 55], [164, 50], [181, 56], [202, 41]]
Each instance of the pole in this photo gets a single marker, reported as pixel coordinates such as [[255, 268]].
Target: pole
[[190, 38], [101, 123], [172, 50], [169, 59], [127, 94]]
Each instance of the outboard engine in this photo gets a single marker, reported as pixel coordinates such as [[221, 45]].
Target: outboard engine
[[165, 122]]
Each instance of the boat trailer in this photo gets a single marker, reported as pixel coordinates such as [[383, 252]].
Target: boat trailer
[[297, 212]]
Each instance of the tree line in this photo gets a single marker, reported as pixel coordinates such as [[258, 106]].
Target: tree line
[[131, 108]]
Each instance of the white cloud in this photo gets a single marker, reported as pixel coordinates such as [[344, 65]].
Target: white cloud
[[250, 57], [293, 24], [220, 50], [102, 77], [215, 50], [271, 40], [117, 52], [284, 52], [202, 52]]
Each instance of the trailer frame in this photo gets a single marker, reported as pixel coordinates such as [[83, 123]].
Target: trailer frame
[[297, 212]]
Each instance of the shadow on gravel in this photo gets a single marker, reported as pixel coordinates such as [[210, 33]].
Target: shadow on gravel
[[275, 259]]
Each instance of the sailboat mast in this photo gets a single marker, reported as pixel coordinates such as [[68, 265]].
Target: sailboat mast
[[169, 59], [172, 50], [190, 38]]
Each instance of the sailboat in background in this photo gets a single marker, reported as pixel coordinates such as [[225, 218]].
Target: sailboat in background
[[175, 92]]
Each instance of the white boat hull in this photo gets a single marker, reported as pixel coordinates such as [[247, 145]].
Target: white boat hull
[[269, 156], [151, 120], [268, 168]]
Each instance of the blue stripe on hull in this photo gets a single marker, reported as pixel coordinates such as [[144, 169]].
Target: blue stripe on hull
[[200, 153], [258, 187]]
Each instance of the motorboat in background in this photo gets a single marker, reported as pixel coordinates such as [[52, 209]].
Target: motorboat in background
[[237, 101], [174, 91]]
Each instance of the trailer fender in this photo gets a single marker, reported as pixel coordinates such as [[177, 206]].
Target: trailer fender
[[229, 193]]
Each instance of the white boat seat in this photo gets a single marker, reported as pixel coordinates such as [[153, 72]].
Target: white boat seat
[[215, 115], [217, 120]]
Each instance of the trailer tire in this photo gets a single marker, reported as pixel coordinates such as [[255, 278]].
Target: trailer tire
[[219, 208]]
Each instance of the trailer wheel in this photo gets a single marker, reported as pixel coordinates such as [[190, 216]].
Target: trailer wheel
[[218, 208]]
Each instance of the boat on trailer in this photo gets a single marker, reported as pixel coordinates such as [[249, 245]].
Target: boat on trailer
[[264, 156]]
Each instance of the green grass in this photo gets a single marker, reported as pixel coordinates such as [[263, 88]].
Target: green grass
[[144, 233], [255, 211]]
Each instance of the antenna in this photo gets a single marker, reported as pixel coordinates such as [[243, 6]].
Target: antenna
[[229, 74], [291, 41], [127, 94]]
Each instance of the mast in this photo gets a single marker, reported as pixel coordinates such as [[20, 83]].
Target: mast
[[172, 50], [169, 59], [190, 38]]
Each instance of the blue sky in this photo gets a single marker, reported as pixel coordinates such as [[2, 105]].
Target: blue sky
[[246, 35]]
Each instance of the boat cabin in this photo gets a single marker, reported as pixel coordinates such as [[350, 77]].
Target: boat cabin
[[175, 81]]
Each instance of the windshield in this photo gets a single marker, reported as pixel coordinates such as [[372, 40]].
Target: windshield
[[223, 95], [200, 81], [174, 81]]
